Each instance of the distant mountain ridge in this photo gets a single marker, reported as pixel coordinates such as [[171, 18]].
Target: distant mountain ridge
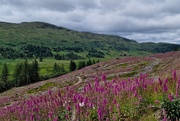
[[59, 39]]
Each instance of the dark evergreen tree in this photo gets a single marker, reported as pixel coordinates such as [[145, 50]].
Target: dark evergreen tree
[[94, 61], [98, 61], [40, 58], [81, 64], [56, 68], [72, 66], [5, 73], [25, 77], [17, 73], [2, 86], [34, 71], [58, 57], [89, 62], [62, 69]]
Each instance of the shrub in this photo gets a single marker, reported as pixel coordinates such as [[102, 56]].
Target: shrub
[[172, 108]]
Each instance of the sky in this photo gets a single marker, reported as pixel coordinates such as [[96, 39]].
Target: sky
[[140, 20]]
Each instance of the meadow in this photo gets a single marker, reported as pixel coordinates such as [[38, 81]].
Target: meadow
[[45, 67], [107, 90], [132, 99]]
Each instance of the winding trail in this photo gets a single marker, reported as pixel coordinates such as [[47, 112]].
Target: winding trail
[[74, 110], [80, 80], [150, 67]]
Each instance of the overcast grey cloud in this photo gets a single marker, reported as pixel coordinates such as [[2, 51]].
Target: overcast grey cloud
[[141, 20]]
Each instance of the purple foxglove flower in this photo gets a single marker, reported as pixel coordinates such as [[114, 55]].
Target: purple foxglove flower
[[170, 97], [103, 77]]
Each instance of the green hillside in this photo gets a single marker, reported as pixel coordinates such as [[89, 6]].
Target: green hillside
[[29, 39]]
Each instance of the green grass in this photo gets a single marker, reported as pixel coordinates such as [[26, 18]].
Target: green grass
[[42, 88], [46, 66], [129, 74], [47, 35]]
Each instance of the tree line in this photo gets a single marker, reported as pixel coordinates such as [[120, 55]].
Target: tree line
[[26, 73], [81, 64]]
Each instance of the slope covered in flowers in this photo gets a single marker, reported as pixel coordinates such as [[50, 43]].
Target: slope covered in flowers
[[102, 100], [131, 88]]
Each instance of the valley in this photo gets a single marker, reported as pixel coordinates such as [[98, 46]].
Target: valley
[[152, 68], [53, 73]]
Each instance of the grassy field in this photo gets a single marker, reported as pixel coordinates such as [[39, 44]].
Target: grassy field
[[46, 66]]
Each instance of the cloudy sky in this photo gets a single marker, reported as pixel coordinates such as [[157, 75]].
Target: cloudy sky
[[141, 20]]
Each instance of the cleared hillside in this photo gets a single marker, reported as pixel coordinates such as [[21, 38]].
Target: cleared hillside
[[28, 36]]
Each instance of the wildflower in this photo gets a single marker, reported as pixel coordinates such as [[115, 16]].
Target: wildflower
[[155, 89], [77, 107], [105, 102], [164, 113], [49, 91], [157, 101], [114, 118], [90, 105], [59, 93], [89, 86], [165, 81], [81, 104], [170, 97], [140, 98], [100, 114], [114, 81], [177, 88], [160, 82], [165, 88], [32, 117], [135, 93], [107, 119], [118, 106], [55, 119], [87, 113], [85, 89], [114, 101], [103, 77], [68, 108], [174, 76], [67, 88], [50, 114], [110, 109]]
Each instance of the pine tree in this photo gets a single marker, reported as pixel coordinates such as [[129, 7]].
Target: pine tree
[[98, 61], [72, 66], [25, 73], [56, 68], [89, 62], [40, 58], [17, 73], [81, 64], [34, 71], [84, 64], [94, 61], [5, 73], [62, 69]]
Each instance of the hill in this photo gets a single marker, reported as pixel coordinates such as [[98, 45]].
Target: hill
[[132, 88], [129, 88], [30, 39]]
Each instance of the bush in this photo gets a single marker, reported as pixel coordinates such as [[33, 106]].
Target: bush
[[172, 108]]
